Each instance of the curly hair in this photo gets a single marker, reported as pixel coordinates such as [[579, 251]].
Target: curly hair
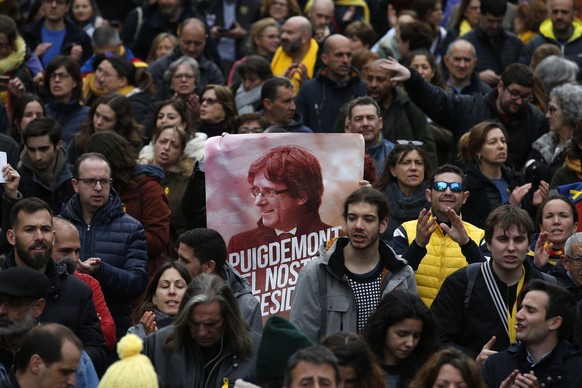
[[570, 99]]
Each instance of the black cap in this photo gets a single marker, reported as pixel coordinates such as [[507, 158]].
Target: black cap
[[23, 282]]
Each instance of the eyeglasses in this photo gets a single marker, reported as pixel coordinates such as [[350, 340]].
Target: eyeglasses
[[62, 76], [407, 142], [576, 261], [102, 73], [267, 193], [442, 186], [250, 130], [184, 75], [552, 109], [209, 101], [515, 95], [105, 182]]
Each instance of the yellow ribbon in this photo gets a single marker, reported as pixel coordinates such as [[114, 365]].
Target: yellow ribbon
[[511, 317]]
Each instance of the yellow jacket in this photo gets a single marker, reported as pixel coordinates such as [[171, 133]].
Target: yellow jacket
[[443, 257]]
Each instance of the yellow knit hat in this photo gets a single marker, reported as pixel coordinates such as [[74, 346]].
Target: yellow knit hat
[[133, 369]]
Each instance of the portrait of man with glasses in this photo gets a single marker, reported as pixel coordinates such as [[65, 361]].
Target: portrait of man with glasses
[[286, 184]]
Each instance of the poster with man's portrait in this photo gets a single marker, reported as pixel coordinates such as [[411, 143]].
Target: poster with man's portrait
[[275, 198]]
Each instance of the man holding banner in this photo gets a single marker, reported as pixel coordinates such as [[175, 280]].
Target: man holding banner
[[341, 288]]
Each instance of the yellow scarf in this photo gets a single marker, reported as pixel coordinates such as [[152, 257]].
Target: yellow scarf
[[464, 27], [15, 58], [575, 166], [281, 62], [511, 317]]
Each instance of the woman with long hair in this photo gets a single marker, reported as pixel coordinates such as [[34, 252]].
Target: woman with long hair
[[108, 113], [25, 109], [358, 367], [402, 335], [140, 190], [491, 182], [403, 182], [162, 45], [162, 298]]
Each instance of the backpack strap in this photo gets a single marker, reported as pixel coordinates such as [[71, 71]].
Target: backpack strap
[[472, 270]]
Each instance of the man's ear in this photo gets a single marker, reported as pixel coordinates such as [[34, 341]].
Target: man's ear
[[11, 237], [465, 196], [35, 364], [324, 58], [75, 185], [209, 266], [565, 263], [383, 225], [38, 307], [555, 323], [267, 104]]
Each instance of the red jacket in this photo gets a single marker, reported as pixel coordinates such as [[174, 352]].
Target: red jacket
[[105, 318]]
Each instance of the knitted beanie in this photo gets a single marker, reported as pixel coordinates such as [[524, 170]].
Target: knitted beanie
[[133, 369], [280, 340]]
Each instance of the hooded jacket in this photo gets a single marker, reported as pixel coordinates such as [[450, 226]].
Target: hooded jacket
[[571, 49], [247, 303], [324, 303], [321, 98], [71, 116], [120, 241]]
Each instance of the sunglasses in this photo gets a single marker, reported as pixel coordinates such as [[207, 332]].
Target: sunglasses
[[442, 186], [412, 142]]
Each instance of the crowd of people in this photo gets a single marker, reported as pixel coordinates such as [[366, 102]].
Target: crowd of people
[[459, 259]]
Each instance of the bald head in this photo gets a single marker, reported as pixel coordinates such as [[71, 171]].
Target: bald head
[[335, 41], [67, 241], [320, 13], [299, 23], [296, 36], [460, 62], [192, 37]]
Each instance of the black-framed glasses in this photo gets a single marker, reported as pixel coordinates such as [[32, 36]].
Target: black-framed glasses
[[266, 193], [442, 186], [417, 143], [576, 261], [105, 182], [552, 109], [515, 95]]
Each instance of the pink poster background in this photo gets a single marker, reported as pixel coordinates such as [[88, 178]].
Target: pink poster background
[[272, 269]]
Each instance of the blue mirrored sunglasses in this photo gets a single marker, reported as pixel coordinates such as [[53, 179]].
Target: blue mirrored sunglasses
[[442, 186]]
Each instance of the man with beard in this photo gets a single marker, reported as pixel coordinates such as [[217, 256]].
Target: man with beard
[[401, 118], [439, 242], [22, 300], [69, 300], [296, 57], [278, 99], [321, 98], [496, 47], [509, 103], [562, 29], [341, 288]]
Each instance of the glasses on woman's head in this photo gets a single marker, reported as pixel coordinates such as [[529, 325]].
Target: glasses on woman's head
[[416, 143]]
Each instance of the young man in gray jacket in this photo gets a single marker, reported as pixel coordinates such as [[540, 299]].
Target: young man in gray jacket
[[341, 288]]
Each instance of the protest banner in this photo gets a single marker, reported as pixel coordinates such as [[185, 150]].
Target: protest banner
[[294, 185]]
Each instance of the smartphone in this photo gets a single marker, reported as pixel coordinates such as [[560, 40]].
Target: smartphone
[[224, 29]]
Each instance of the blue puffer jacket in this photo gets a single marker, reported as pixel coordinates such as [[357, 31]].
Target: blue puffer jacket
[[71, 116], [120, 241]]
